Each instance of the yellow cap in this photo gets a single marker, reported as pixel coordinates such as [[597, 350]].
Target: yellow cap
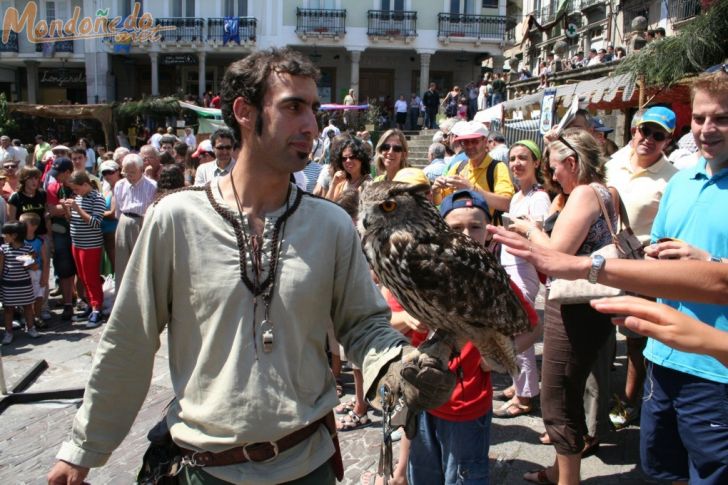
[[412, 176]]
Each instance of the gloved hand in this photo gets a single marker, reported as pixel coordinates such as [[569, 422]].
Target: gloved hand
[[422, 379]]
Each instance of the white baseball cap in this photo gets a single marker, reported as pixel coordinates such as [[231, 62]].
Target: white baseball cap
[[468, 130]]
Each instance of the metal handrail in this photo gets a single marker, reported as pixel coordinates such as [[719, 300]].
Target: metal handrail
[[478, 26], [246, 27], [11, 45], [187, 29], [392, 23], [320, 21]]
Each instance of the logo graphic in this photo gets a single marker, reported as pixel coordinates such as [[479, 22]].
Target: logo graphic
[[134, 28]]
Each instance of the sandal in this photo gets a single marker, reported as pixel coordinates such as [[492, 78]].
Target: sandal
[[538, 476], [591, 446], [505, 411], [353, 421], [505, 395], [345, 407]]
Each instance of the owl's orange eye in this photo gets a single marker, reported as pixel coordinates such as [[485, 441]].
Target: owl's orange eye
[[388, 205]]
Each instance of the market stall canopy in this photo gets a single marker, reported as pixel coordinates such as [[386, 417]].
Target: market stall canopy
[[100, 112], [490, 114], [338, 107], [210, 119], [599, 91]]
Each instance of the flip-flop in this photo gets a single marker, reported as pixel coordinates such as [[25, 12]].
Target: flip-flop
[[345, 407], [505, 395], [505, 410], [538, 476], [353, 421]]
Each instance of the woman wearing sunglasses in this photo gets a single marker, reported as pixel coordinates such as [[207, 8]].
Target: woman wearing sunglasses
[[351, 168], [391, 154], [572, 342]]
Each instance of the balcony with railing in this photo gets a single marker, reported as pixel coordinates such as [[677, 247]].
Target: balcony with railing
[[391, 23], [246, 29], [186, 29], [11, 45], [322, 22], [548, 13], [586, 4], [684, 9], [59, 46], [451, 25], [511, 34]]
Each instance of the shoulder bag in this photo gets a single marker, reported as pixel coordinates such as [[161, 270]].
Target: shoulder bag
[[567, 292]]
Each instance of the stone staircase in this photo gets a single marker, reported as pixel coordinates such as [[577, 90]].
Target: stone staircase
[[418, 142]]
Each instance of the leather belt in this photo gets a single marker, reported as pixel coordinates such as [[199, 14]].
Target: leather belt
[[132, 215], [255, 452]]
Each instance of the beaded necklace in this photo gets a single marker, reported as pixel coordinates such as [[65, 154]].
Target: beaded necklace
[[266, 287]]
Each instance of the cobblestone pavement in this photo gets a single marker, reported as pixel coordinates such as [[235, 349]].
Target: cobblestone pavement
[[32, 433]]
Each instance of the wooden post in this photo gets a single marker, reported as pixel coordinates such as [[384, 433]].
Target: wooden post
[[641, 86]]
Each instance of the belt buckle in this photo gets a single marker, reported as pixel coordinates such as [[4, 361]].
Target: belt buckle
[[272, 443], [190, 461]]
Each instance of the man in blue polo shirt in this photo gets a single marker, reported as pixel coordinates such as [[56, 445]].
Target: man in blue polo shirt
[[684, 427]]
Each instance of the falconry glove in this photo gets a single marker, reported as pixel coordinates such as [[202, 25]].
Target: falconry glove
[[420, 381]]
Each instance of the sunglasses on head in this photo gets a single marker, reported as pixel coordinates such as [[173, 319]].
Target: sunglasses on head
[[570, 147], [385, 147], [656, 135]]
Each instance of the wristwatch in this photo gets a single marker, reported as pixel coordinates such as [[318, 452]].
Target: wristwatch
[[596, 266], [715, 259]]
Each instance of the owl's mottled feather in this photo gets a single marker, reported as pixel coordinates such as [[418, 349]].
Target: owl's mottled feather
[[441, 277]]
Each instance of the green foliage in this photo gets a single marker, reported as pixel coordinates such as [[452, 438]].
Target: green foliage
[[697, 46], [7, 124], [152, 106]]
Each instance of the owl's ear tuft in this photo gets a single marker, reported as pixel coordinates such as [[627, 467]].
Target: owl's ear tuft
[[421, 189]]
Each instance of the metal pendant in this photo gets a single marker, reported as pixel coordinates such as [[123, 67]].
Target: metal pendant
[[266, 331]]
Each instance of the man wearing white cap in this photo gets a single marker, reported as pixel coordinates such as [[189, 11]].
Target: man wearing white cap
[[481, 173], [204, 152], [223, 144]]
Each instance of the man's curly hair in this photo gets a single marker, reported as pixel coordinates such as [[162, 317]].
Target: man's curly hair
[[248, 78]]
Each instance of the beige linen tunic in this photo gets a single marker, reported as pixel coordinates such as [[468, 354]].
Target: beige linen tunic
[[185, 273]]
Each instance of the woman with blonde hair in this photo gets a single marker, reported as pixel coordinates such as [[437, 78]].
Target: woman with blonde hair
[[571, 344], [391, 154]]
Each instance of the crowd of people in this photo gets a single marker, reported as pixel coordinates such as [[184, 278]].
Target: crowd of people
[[78, 211], [256, 395]]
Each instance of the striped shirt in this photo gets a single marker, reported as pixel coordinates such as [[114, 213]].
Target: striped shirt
[[134, 199], [87, 235], [17, 288]]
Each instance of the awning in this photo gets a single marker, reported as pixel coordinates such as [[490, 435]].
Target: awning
[[595, 91], [210, 113], [100, 112], [490, 114]]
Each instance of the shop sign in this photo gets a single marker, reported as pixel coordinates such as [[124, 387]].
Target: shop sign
[[62, 77], [178, 59]]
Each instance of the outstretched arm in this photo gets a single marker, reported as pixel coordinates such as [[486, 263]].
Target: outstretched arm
[[700, 281], [667, 325]]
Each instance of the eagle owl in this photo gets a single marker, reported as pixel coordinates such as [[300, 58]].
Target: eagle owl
[[441, 277]]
